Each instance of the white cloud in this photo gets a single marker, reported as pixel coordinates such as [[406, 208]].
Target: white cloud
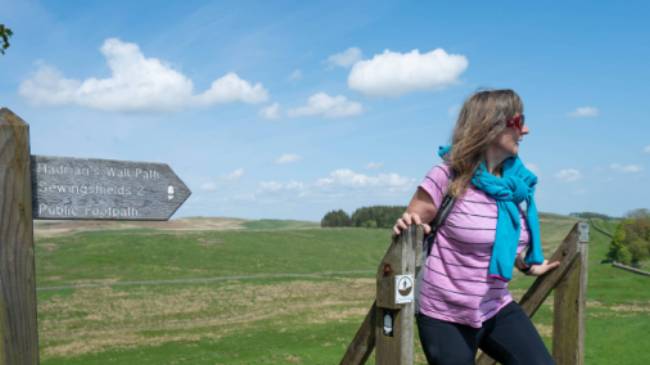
[[230, 88], [374, 165], [287, 158], [349, 178], [393, 73], [585, 112], [625, 168], [271, 112], [339, 184], [136, 83], [646, 149], [346, 58], [275, 186], [235, 175], [568, 175], [321, 104]]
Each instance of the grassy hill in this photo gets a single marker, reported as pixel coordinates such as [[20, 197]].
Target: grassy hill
[[268, 292]]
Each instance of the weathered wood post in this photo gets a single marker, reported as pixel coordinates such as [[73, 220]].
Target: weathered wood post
[[394, 317], [45, 187], [569, 307], [18, 331]]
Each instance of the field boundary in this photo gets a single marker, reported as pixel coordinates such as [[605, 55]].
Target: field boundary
[[630, 268]]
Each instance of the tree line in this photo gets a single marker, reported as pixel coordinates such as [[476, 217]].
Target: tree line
[[378, 216], [589, 215]]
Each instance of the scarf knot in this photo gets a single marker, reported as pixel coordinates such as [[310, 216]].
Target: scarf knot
[[518, 188]]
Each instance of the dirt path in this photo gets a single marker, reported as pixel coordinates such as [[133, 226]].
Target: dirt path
[[52, 228]]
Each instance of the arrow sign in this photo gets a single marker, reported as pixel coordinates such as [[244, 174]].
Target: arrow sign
[[86, 188]]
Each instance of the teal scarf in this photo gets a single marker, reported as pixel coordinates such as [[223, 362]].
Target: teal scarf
[[516, 185]]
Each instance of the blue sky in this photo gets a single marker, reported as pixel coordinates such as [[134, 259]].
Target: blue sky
[[285, 109]]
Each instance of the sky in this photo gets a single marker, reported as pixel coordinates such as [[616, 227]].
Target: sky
[[291, 109]]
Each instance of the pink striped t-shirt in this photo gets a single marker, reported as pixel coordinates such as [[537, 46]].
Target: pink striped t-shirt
[[455, 285]]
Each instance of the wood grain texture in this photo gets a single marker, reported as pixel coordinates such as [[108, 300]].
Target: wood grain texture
[[18, 326], [100, 189], [569, 308]]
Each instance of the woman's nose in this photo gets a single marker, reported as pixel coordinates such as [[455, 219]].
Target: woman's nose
[[525, 130]]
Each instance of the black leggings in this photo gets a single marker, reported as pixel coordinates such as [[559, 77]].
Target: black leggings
[[508, 337]]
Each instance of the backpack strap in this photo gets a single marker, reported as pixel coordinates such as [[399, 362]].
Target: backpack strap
[[439, 219]]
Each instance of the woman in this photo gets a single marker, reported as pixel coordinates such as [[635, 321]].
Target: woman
[[464, 302]]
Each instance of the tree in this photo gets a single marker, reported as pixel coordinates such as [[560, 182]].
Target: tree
[[5, 34], [631, 241], [335, 218], [638, 213], [381, 216]]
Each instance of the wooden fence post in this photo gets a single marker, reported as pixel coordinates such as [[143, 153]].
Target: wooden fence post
[[394, 318], [18, 326], [569, 307]]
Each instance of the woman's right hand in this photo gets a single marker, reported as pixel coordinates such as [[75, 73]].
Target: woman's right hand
[[406, 220]]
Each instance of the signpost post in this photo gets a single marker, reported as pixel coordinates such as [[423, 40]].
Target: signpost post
[[47, 187]]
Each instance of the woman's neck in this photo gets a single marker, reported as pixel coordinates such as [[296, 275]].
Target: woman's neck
[[493, 160]]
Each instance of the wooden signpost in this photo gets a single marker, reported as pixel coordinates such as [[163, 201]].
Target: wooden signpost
[[46, 187], [79, 188]]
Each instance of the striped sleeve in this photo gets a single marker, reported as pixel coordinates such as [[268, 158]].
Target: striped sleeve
[[435, 183]]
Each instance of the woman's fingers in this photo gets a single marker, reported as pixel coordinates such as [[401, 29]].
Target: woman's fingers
[[544, 267], [416, 219], [406, 220], [399, 226]]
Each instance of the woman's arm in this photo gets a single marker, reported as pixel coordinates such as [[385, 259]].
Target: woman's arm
[[420, 209]]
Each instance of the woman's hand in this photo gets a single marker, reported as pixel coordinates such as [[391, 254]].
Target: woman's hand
[[543, 268], [406, 220]]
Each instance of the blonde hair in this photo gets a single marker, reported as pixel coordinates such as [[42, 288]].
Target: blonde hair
[[481, 119]]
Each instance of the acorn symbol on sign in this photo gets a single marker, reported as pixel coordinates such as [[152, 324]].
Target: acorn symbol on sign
[[405, 286]]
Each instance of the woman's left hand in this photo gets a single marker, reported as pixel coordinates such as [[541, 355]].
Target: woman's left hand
[[541, 269]]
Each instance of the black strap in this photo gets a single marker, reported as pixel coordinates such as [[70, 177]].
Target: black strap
[[438, 220]]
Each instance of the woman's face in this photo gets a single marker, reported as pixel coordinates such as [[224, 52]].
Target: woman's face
[[508, 140]]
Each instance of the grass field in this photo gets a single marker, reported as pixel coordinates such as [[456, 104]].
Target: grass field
[[271, 292]]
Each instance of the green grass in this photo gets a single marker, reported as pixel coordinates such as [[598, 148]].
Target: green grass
[[129, 255], [279, 224], [267, 319]]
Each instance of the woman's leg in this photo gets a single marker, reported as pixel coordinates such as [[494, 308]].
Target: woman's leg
[[511, 338], [446, 343]]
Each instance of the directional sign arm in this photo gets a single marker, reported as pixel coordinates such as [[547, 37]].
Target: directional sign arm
[[79, 188]]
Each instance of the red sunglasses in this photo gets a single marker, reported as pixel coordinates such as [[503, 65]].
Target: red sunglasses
[[516, 122]]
